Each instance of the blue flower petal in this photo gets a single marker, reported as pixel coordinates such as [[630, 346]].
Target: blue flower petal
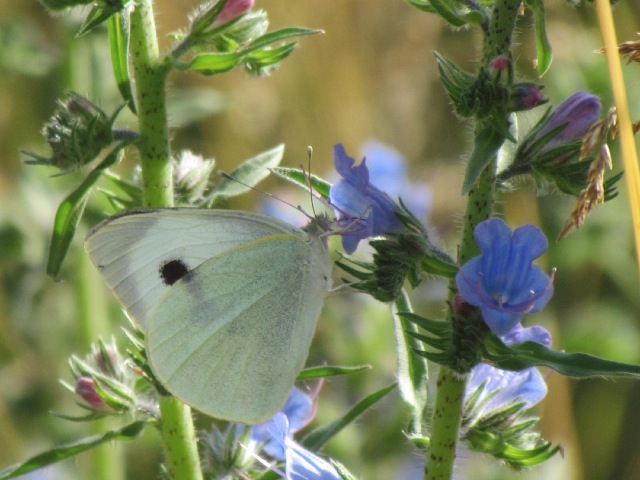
[[535, 333], [358, 176], [502, 281], [500, 321], [300, 463], [526, 386], [298, 410], [365, 210]]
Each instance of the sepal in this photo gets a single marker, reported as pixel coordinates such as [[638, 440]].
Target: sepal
[[399, 257]]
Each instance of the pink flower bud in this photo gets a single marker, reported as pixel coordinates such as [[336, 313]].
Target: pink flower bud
[[86, 388], [233, 9]]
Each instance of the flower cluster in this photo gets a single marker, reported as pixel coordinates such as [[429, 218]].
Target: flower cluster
[[77, 132]]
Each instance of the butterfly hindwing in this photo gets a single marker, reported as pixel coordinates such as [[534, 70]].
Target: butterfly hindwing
[[234, 351]]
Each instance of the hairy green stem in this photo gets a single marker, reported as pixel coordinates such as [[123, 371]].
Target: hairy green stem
[[150, 73], [179, 440], [447, 412]]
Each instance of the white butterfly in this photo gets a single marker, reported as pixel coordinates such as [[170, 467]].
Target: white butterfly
[[228, 301]]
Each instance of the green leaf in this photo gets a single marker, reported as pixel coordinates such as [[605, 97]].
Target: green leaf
[[211, 63], [413, 372], [324, 371], [249, 174], [487, 144], [62, 452], [97, 15], [543, 47], [422, 5], [447, 12], [118, 27], [303, 179], [317, 438], [530, 354], [278, 35], [268, 57], [69, 214]]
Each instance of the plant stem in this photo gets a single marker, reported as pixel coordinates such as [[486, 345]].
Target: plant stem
[[150, 73], [179, 440], [447, 412]]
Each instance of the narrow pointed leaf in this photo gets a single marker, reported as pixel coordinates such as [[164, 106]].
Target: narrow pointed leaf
[[249, 173], [317, 438], [62, 452], [324, 371], [69, 214], [277, 36], [412, 369], [303, 179], [580, 365], [119, 43], [486, 147], [543, 46]]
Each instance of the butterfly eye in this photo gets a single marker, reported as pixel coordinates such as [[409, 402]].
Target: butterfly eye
[[172, 271]]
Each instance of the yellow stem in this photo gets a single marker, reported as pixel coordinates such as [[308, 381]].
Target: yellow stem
[[627, 141]]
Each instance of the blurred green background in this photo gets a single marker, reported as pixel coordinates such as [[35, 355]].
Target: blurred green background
[[371, 75]]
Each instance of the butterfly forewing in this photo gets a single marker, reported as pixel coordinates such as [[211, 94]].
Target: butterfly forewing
[[132, 250]]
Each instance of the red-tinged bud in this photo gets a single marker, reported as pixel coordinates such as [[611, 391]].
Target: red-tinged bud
[[233, 9], [86, 388]]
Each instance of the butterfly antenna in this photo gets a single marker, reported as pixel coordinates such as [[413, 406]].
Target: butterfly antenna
[[312, 190], [270, 195]]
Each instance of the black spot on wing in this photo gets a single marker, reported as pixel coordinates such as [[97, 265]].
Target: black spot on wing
[[173, 270]]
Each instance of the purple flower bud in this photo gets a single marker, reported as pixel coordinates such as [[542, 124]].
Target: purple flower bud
[[233, 9], [503, 281], [86, 388], [499, 64], [363, 209], [577, 113], [526, 96]]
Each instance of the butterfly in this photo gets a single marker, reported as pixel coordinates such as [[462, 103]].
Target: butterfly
[[228, 301]]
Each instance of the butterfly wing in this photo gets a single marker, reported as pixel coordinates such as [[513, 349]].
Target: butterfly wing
[[140, 253], [231, 338]]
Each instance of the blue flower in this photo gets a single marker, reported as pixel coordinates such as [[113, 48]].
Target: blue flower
[[502, 281], [362, 209], [502, 388], [299, 410], [388, 172], [300, 463]]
